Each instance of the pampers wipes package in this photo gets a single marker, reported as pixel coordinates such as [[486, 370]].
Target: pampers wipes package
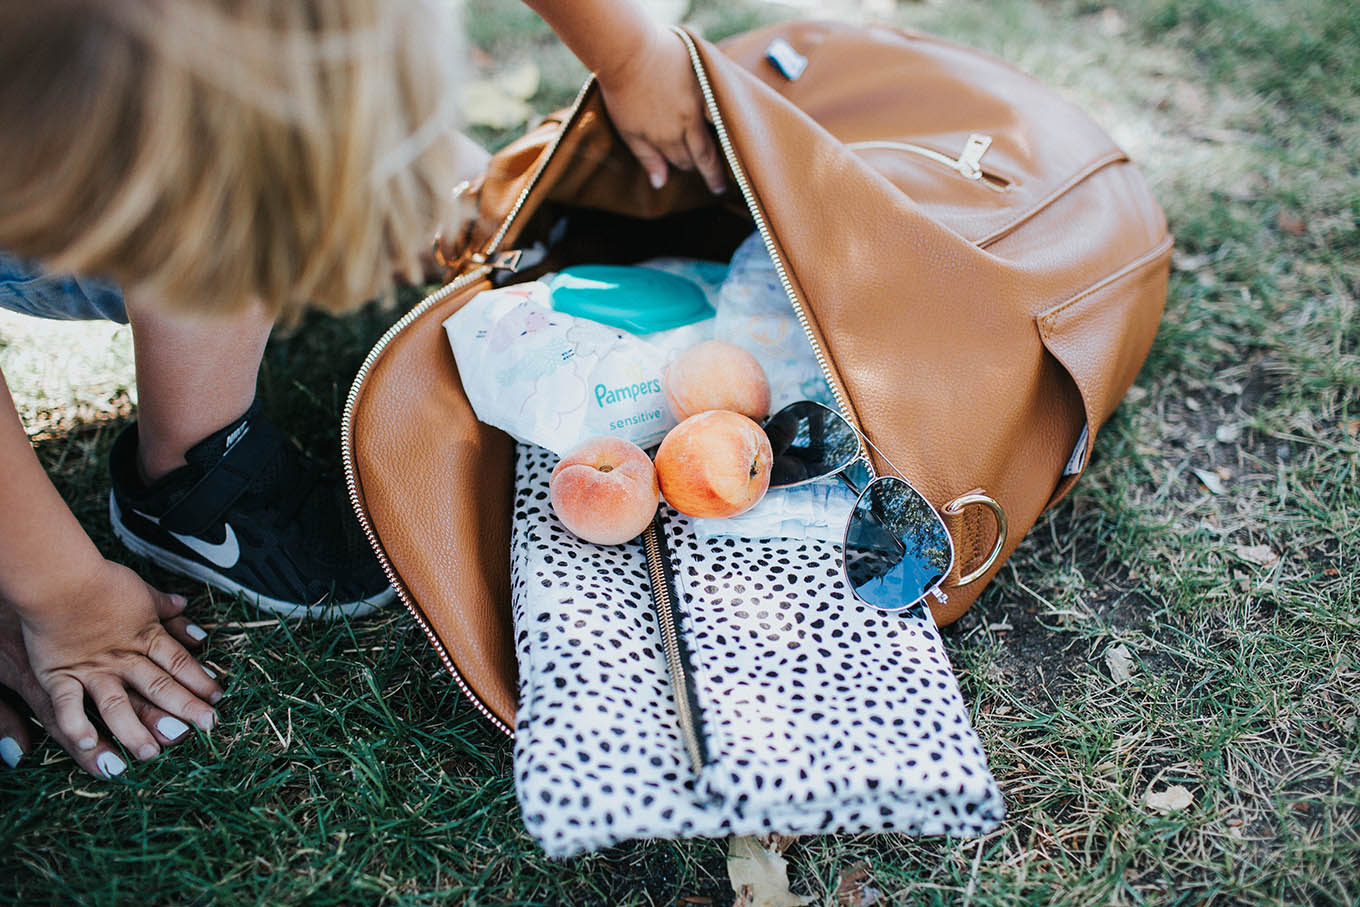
[[549, 377]]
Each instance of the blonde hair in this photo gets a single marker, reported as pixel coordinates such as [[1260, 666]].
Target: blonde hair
[[215, 151]]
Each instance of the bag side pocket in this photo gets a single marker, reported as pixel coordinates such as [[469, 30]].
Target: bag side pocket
[[1101, 337]]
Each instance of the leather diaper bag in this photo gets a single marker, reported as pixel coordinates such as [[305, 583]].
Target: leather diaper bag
[[980, 271]]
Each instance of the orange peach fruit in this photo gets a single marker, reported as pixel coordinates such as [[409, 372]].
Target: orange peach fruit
[[715, 464], [716, 375], [604, 490]]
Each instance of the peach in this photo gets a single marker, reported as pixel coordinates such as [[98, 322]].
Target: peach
[[716, 375], [715, 464], [604, 490]]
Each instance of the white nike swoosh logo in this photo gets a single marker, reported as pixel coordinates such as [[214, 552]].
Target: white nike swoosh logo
[[223, 554]]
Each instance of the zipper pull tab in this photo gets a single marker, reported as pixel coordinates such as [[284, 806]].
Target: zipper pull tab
[[508, 260], [970, 161]]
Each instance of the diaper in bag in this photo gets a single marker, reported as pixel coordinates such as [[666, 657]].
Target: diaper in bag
[[552, 378]]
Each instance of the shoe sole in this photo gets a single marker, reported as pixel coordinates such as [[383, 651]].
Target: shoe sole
[[194, 570]]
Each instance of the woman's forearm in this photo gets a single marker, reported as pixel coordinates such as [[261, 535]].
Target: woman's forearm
[[41, 542], [603, 34]]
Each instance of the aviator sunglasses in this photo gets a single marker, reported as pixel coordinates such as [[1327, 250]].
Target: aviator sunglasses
[[896, 549]]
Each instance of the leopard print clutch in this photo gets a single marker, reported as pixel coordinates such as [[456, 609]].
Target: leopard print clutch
[[818, 713]]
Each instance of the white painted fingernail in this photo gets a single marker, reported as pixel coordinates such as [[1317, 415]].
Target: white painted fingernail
[[212, 675], [207, 721], [197, 633], [87, 744], [10, 751], [110, 764], [171, 727]]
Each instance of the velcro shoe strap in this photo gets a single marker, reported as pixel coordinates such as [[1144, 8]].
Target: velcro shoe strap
[[228, 478]]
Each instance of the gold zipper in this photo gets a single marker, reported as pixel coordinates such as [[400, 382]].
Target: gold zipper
[[548, 155], [968, 164], [670, 643], [352, 481], [487, 262], [739, 174]]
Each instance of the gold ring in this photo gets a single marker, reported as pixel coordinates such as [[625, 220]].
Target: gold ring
[[955, 507]]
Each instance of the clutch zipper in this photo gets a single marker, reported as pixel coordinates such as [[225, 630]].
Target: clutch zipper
[[486, 262], [673, 645], [968, 164]]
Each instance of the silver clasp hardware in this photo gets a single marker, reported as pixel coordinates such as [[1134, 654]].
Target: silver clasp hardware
[[970, 161]]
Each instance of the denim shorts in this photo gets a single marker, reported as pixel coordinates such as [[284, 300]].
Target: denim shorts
[[26, 288]]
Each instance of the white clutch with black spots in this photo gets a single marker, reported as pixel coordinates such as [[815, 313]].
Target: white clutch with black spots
[[816, 713]]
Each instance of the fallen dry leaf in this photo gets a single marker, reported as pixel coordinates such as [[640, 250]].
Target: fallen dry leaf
[[1120, 662], [775, 842], [1172, 799], [1210, 480], [854, 888], [759, 877], [1262, 555], [1228, 434], [502, 101], [520, 81], [1231, 388], [1184, 261], [1111, 22], [1290, 222]]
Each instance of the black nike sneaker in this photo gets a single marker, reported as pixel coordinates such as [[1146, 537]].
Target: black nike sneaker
[[251, 516]]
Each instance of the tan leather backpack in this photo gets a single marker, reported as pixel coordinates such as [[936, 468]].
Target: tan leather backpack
[[979, 268]]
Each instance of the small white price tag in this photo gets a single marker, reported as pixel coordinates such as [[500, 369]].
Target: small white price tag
[[788, 61]]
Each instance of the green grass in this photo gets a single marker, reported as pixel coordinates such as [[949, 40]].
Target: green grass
[[349, 770]]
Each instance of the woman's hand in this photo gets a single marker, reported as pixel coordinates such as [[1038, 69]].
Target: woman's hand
[[101, 636], [654, 101], [649, 87]]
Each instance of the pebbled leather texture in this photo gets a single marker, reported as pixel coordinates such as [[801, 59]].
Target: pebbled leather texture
[[975, 330]]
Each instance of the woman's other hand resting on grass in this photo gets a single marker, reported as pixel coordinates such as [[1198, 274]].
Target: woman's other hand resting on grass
[[103, 759], [90, 627]]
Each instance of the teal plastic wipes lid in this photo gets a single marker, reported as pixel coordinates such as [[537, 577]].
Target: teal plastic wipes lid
[[635, 298]]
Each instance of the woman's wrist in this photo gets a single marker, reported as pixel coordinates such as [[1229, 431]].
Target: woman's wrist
[[626, 59]]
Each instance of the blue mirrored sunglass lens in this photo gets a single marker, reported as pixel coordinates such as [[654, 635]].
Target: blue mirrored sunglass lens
[[896, 548], [809, 441]]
